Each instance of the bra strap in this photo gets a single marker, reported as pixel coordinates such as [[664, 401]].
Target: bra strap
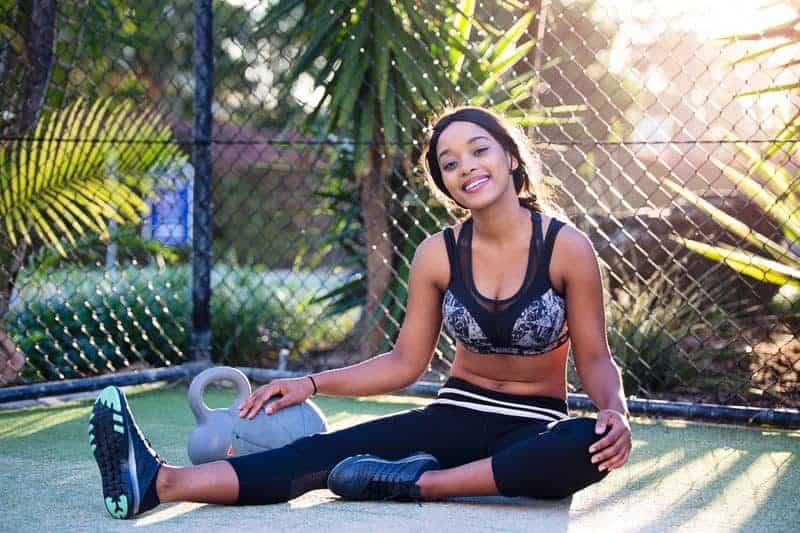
[[452, 252], [552, 230]]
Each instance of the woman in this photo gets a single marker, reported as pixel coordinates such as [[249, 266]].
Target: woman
[[515, 287]]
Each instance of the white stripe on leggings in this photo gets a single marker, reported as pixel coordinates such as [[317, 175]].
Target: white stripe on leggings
[[558, 414], [496, 410]]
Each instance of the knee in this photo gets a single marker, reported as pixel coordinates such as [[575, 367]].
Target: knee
[[569, 467], [579, 432]]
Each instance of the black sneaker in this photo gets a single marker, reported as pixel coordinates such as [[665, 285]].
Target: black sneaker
[[128, 465], [367, 477]]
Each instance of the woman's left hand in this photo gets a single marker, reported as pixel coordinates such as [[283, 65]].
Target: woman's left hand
[[611, 451]]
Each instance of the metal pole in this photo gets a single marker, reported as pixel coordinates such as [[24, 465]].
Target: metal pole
[[201, 159]]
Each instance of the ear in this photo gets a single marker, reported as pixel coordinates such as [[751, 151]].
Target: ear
[[513, 163]]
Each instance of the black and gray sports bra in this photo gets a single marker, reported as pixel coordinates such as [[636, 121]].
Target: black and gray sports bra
[[531, 322]]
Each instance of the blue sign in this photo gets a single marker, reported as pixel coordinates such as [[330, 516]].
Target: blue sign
[[170, 219]]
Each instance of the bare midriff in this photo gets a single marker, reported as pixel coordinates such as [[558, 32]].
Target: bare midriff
[[531, 375]]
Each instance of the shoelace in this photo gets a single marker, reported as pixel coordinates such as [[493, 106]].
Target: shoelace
[[388, 484]]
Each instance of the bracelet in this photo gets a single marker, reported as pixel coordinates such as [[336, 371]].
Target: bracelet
[[313, 383]]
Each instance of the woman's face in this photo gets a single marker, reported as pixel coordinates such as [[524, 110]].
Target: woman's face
[[475, 168]]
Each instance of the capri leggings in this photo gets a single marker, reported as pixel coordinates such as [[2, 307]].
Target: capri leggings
[[535, 448]]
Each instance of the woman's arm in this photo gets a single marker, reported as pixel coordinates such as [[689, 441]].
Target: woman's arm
[[389, 371], [597, 370]]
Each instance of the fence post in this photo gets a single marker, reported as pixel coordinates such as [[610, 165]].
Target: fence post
[[201, 159]]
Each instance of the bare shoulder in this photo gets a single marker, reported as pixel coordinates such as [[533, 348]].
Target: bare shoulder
[[430, 261], [573, 253], [573, 242]]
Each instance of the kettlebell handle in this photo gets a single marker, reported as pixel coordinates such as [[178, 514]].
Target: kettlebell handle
[[218, 373]]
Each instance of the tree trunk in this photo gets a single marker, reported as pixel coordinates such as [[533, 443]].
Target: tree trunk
[[379, 252], [40, 34], [36, 20]]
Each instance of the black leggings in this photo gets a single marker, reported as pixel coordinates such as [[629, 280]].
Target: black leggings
[[536, 450]]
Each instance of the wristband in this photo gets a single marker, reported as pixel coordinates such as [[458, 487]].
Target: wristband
[[314, 383]]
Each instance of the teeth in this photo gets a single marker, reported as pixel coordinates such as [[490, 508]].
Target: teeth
[[475, 184]]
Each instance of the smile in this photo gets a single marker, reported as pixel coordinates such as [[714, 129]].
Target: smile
[[475, 185]]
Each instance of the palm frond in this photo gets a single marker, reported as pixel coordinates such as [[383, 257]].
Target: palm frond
[[83, 165]]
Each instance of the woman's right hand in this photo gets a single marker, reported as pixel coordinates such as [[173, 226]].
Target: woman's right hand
[[291, 391]]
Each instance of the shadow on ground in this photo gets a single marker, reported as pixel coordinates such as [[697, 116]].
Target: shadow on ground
[[681, 476]]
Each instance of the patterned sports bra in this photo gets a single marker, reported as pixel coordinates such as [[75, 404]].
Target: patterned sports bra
[[531, 322]]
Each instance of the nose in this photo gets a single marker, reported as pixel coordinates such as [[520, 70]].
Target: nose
[[467, 168]]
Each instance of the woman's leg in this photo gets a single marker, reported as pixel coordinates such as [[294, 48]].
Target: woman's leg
[[472, 479], [266, 477], [550, 463], [454, 436], [210, 483]]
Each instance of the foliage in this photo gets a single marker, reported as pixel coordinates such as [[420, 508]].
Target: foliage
[[92, 251], [768, 185], [53, 189], [339, 195], [78, 322], [387, 65], [457, 68], [143, 50], [774, 190], [788, 35], [647, 322]]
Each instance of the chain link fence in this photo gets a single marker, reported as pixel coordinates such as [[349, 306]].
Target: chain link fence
[[672, 146]]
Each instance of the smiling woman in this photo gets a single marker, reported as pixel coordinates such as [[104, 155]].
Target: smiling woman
[[491, 139], [515, 286]]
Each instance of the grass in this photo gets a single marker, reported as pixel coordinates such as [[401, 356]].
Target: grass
[[681, 476]]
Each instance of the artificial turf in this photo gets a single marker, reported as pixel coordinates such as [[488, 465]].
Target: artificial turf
[[681, 476]]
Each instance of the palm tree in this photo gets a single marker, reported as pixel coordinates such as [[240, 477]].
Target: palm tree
[[81, 167], [385, 66]]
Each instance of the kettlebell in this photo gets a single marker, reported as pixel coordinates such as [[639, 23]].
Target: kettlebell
[[211, 439]]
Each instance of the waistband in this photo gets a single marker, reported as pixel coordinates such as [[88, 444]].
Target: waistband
[[461, 393]]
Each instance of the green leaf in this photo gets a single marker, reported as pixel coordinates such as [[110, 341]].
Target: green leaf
[[16, 41], [780, 210], [56, 189], [752, 265], [772, 89], [513, 35], [734, 225], [462, 25]]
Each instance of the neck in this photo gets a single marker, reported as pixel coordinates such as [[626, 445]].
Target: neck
[[500, 223]]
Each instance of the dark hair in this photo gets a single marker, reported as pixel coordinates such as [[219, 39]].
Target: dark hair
[[533, 193]]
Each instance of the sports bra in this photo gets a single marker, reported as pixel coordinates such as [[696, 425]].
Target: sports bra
[[531, 322]]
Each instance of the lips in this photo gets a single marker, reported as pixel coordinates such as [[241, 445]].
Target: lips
[[474, 184]]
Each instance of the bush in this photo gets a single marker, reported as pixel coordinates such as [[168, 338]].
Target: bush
[[650, 325], [73, 323]]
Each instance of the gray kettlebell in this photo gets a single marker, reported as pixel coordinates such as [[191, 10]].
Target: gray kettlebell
[[211, 439]]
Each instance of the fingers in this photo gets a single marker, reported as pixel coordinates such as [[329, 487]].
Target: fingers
[[289, 391], [607, 447], [609, 439], [277, 405], [616, 461], [611, 451], [251, 406], [602, 422]]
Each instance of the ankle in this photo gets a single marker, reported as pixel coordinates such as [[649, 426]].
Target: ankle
[[165, 480], [427, 485]]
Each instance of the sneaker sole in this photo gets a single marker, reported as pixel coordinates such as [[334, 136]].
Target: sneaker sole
[[109, 438], [366, 457]]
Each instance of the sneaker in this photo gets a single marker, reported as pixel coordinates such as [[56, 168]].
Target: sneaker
[[128, 465], [367, 477]]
